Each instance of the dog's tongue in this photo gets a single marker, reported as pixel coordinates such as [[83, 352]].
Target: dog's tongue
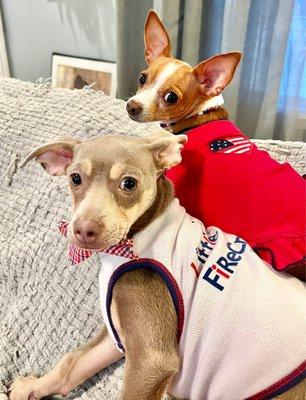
[[75, 254]]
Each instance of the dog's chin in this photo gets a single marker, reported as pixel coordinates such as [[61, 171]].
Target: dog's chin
[[96, 246], [137, 118], [144, 118]]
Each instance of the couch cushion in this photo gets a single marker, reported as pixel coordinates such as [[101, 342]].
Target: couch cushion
[[48, 307]]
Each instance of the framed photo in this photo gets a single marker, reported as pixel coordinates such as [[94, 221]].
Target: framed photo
[[75, 73]]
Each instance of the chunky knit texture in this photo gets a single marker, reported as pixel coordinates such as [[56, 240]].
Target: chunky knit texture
[[47, 307]]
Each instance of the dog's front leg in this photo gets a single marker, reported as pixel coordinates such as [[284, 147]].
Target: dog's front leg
[[146, 321], [72, 370]]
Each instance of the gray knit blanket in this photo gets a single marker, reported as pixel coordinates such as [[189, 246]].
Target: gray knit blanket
[[48, 307]]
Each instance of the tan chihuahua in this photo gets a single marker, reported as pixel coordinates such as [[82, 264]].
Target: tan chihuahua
[[119, 191]]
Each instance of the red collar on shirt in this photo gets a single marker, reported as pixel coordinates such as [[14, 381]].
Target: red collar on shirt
[[212, 130]]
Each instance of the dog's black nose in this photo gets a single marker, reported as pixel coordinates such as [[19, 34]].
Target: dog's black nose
[[133, 107]]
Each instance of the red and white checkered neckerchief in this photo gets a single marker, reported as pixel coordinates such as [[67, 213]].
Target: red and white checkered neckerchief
[[77, 255]]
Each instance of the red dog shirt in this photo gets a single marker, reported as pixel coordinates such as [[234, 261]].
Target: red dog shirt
[[226, 181]]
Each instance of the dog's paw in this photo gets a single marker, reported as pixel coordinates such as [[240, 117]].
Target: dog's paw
[[23, 388]]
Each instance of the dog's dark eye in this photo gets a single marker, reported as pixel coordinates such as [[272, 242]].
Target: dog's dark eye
[[170, 98], [142, 79], [76, 179], [128, 184]]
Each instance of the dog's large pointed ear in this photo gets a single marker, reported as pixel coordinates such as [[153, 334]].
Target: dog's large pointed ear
[[166, 151], [216, 73], [55, 156], [156, 38]]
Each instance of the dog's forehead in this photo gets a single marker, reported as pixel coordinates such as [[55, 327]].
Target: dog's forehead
[[165, 69], [111, 151]]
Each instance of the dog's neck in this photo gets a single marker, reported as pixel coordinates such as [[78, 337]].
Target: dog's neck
[[197, 119], [163, 198]]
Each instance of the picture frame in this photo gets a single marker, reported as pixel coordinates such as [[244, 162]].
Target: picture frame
[[76, 72]]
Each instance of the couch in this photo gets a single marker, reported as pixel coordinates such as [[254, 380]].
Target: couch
[[48, 307]]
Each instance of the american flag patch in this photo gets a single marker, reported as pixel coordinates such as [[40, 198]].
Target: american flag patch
[[233, 145]]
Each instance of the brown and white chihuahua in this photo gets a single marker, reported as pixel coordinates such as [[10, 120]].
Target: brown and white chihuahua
[[173, 92]]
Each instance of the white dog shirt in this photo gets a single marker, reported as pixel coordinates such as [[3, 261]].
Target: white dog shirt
[[241, 325]]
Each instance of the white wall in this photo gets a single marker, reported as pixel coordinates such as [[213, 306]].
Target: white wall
[[37, 28]]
